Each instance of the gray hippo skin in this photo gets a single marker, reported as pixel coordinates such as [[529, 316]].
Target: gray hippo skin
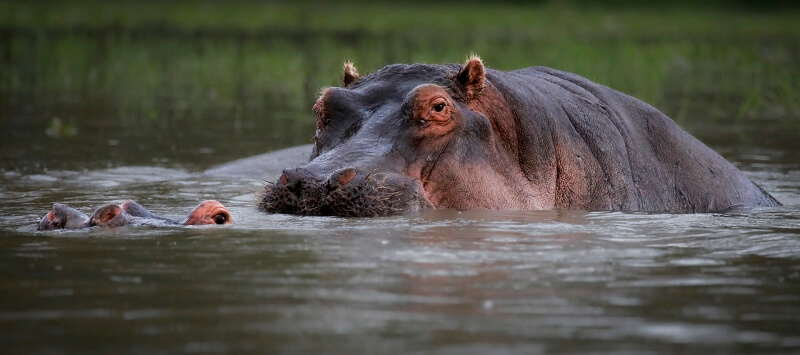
[[410, 137]]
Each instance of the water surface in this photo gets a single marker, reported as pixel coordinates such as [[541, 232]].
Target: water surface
[[443, 281]]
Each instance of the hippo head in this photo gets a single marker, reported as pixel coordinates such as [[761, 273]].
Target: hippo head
[[390, 142], [63, 217], [410, 137]]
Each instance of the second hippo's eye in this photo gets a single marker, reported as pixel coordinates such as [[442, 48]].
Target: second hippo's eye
[[220, 219]]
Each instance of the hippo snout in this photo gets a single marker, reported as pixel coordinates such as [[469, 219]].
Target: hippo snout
[[343, 192], [296, 179]]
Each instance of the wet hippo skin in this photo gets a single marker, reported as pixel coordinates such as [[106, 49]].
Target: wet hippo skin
[[410, 137], [130, 213]]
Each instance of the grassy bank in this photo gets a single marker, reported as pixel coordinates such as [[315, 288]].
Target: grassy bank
[[188, 55], [550, 20]]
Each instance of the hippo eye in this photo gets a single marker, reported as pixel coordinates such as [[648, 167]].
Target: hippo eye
[[438, 107], [220, 219]]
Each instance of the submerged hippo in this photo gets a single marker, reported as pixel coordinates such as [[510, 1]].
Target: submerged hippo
[[130, 213], [410, 137]]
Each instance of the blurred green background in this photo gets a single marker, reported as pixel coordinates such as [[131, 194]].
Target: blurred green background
[[194, 83]]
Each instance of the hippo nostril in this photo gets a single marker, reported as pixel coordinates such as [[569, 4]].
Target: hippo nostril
[[346, 176], [341, 177], [291, 179]]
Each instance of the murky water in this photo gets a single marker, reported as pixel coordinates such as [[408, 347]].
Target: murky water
[[440, 281]]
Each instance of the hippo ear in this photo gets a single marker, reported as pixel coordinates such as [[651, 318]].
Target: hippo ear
[[350, 74], [104, 214], [471, 77]]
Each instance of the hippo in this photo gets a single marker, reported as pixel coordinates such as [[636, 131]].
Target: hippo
[[130, 213], [420, 136]]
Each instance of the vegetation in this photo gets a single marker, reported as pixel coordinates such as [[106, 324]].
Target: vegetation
[[254, 68], [233, 50]]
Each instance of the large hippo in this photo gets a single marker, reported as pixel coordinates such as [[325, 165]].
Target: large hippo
[[411, 137]]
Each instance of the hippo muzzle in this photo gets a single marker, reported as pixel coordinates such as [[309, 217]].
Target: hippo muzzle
[[344, 192]]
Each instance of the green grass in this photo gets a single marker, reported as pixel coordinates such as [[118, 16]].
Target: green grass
[[557, 20], [192, 54]]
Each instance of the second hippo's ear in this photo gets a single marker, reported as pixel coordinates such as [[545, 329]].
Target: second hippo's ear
[[350, 74], [104, 216], [471, 77]]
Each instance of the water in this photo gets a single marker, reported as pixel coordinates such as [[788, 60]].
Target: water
[[446, 281], [449, 281]]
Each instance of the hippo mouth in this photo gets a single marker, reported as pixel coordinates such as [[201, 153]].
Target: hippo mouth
[[345, 193]]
